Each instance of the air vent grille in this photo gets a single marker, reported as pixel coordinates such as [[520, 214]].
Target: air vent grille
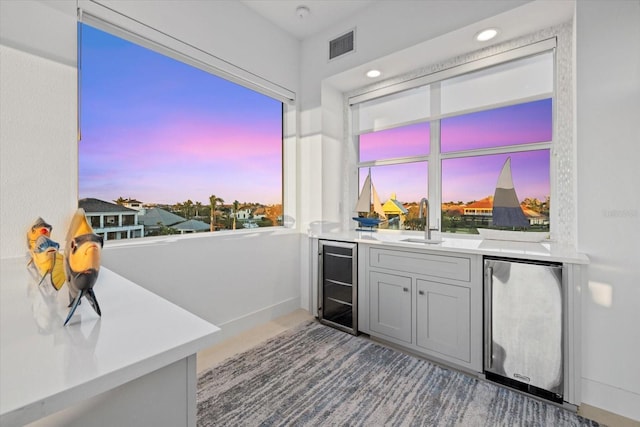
[[341, 45]]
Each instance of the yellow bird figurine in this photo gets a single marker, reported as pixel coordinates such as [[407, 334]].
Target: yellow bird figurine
[[44, 254], [82, 262]]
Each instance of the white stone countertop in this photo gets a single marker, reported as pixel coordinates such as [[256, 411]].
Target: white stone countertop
[[45, 367], [472, 244]]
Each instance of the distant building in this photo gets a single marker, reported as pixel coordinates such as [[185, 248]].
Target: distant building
[[244, 213], [191, 226], [132, 204], [482, 207], [155, 218], [535, 218], [111, 221], [259, 213]]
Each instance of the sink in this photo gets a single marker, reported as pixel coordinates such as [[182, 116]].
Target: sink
[[423, 241]]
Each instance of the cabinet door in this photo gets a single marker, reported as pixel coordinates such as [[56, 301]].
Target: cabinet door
[[390, 305], [443, 319]]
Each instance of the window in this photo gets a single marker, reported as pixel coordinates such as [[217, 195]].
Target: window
[[128, 219], [187, 144], [449, 139], [95, 221]]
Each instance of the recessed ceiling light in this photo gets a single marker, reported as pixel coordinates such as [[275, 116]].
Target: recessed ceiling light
[[372, 74], [487, 34]]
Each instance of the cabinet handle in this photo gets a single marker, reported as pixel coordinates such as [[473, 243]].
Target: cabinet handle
[[405, 289], [488, 318], [421, 292]]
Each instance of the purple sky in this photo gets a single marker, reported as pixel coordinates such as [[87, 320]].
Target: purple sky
[[465, 179], [412, 140], [160, 131]]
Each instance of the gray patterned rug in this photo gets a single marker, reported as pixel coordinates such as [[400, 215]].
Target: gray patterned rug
[[318, 376]]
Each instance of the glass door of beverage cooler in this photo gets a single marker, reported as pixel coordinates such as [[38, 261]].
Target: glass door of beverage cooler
[[337, 290]]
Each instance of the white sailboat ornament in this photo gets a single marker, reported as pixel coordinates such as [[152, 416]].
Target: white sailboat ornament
[[506, 207], [368, 205], [507, 212]]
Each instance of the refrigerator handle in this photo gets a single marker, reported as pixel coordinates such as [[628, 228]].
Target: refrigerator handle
[[488, 317]]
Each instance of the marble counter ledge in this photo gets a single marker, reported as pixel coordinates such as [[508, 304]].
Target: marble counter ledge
[[46, 367], [541, 251]]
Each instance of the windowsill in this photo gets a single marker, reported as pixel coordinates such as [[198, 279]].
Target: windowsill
[[173, 238]]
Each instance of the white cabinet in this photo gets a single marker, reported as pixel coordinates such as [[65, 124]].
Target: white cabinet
[[424, 301], [444, 319], [390, 305]]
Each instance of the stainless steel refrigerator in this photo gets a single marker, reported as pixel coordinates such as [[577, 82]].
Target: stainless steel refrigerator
[[523, 326]]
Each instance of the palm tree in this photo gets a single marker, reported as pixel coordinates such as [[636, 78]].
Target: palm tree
[[236, 204], [212, 201], [187, 208], [198, 205], [120, 201]]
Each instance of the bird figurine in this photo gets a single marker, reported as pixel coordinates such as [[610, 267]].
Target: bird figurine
[[45, 255], [82, 262]]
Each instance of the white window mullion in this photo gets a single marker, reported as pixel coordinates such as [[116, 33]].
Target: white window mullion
[[435, 165]]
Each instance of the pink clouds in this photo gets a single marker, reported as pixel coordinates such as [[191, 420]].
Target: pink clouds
[[412, 140]]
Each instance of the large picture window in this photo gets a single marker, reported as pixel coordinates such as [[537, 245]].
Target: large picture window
[[172, 148], [449, 140]]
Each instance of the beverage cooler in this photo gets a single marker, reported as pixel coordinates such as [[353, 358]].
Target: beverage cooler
[[338, 285]]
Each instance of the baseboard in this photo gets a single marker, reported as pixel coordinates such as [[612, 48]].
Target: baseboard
[[610, 399], [243, 323]]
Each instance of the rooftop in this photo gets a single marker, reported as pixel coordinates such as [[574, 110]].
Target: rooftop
[[91, 205]]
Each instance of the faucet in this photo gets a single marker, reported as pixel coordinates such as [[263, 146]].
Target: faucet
[[427, 229]]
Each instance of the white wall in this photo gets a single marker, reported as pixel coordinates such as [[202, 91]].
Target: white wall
[[608, 108], [38, 161], [235, 281]]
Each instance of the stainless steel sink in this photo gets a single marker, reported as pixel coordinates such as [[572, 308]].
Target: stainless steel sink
[[423, 241]]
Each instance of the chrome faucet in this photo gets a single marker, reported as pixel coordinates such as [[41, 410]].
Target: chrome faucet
[[427, 229]]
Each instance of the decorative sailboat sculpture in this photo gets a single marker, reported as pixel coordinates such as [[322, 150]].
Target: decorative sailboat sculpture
[[506, 207], [368, 202], [82, 262], [44, 253]]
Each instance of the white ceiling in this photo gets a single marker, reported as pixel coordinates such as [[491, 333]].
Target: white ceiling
[[513, 23], [323, 13], [525, 19]]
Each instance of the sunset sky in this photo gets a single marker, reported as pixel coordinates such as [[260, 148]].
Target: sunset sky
[[160, 131]]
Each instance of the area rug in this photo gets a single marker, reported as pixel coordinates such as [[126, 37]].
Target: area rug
[[315, 375]]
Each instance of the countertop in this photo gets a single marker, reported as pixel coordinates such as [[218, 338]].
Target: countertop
[[45, 367], [541, 251]]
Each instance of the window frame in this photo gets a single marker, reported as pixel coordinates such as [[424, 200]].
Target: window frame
[[114, 23], [435, 156]]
